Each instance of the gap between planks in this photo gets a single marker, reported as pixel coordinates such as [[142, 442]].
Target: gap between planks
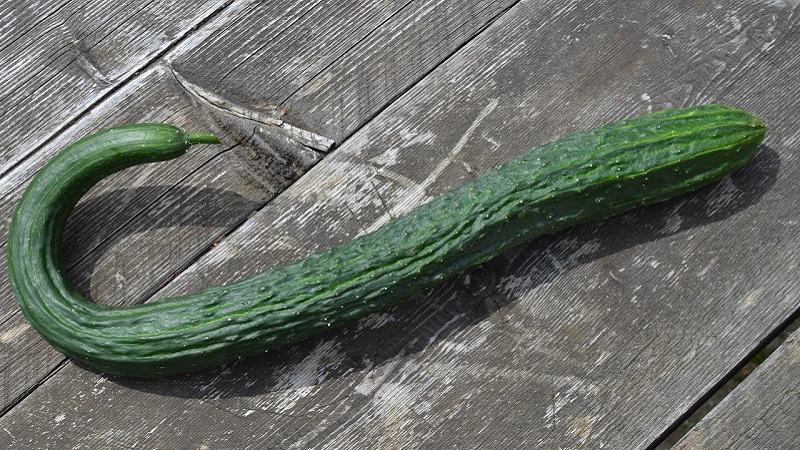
[[726, 385]]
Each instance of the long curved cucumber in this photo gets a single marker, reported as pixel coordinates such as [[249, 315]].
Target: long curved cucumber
[[583, 177]]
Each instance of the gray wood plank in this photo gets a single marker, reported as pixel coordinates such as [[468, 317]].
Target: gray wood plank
[[331, 88], [761, 413], [59, 58], [600, 336], [158, 213]]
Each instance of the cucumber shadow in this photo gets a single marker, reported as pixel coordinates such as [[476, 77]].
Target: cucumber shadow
[[101, 223], [333, 363]]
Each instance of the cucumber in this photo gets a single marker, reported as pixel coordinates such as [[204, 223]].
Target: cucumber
[[583, 177]]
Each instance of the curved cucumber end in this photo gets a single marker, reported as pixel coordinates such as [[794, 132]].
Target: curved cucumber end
[[200, 137]]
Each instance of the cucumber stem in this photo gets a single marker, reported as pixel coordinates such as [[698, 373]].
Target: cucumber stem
[[200, 137]]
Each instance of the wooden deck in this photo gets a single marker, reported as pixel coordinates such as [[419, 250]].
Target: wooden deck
[[339, 116]]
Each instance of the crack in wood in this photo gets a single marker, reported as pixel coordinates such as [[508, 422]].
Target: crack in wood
[[304, 137]]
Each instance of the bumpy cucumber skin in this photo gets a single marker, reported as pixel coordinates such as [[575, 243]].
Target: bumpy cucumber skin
[[583, 177]]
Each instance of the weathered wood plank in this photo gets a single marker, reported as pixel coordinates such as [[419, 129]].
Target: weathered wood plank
[[329, 66], [563, 342], [160, 214], [762, 412], [59, 58], [267, 67]]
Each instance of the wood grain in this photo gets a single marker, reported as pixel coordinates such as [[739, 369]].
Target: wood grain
[[330, 66], [58, 59], [603, 335], [762, 412]]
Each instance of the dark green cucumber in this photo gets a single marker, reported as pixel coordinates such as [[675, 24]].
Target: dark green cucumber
[[583, 177]]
